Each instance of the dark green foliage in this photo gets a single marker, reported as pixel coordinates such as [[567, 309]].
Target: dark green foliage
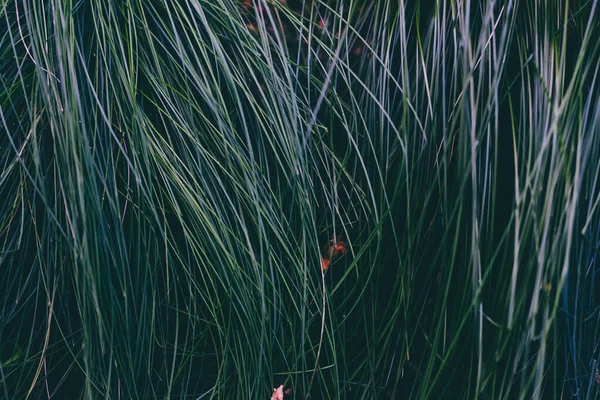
[[172, 173]]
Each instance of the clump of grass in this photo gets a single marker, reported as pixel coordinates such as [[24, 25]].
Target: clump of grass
[[172, 172]]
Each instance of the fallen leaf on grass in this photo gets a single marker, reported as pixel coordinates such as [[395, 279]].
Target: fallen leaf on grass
[[277, 393]]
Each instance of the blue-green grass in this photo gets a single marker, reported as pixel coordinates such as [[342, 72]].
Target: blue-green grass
[[171, 174]]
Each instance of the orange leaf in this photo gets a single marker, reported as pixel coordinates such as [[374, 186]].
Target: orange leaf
[[325, 263]]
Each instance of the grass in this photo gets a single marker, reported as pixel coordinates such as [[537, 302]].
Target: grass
[[173, 172]]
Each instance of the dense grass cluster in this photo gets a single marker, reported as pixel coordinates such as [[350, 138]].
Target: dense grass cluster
[[172, 173]]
